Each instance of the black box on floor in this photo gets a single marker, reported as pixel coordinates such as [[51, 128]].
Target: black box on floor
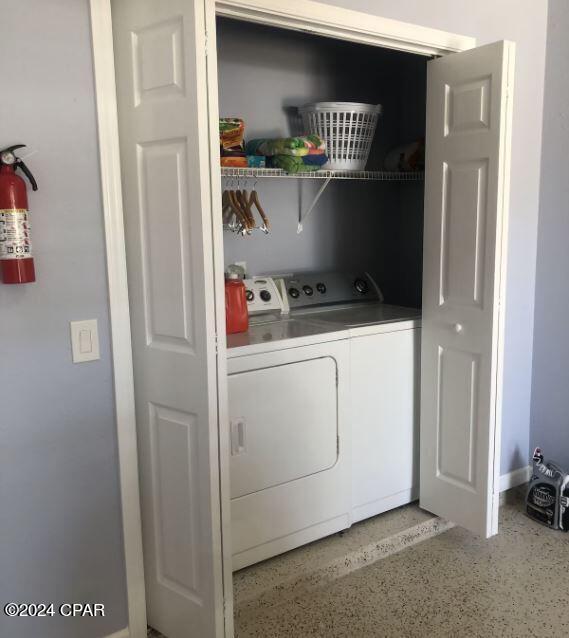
[[547, 500]]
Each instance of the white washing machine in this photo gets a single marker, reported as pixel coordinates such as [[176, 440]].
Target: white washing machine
[[295, 415], [385, 347]]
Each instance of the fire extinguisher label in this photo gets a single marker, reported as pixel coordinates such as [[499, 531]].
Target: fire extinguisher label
[[15, 237]]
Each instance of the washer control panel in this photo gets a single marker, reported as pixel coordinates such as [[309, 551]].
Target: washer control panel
[[262, 295], [317, 289]]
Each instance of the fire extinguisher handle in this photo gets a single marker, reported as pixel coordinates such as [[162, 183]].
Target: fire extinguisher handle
[[27, 173], [11, 149]]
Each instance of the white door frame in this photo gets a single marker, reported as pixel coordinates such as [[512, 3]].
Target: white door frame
[[302, 15], [104, 70]]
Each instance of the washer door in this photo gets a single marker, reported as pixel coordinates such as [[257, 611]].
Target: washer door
[[284, 424]]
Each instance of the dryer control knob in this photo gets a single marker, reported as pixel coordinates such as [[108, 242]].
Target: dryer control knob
[[249, 295], [321, 288], [293, 292], [265, 295]]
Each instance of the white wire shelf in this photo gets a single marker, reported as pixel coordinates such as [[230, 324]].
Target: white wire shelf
[[379, 176], [325, 175]]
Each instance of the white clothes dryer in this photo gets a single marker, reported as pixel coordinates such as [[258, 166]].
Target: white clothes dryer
[[290, 445]]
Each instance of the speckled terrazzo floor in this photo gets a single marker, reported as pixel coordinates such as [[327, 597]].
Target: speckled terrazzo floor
[[515, 585], [294, 573]]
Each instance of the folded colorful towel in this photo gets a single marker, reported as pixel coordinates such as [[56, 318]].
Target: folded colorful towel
[[315, 144], [234, 162], [294, 146], [231, 130], [315, 160], [256, 161], [295, 164]]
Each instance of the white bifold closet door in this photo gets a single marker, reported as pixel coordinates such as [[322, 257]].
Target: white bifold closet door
[[160, 54], [469, 105]]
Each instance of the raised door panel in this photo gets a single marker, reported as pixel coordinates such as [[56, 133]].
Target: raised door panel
[[173, 448], [166, 253], [463, 233], [458, 385], [158, 61]]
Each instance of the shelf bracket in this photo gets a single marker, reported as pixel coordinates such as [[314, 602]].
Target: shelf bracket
[[302, 217]]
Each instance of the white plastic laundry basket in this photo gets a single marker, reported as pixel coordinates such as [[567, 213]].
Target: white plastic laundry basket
[[346, 127]]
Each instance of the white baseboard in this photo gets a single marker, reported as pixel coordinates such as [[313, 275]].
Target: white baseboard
[[123, 633], [515, 478]]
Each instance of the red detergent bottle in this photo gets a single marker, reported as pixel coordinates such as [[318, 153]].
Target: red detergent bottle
[[236, 313]]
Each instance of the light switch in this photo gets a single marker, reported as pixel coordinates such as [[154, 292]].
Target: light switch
[[85, 340]]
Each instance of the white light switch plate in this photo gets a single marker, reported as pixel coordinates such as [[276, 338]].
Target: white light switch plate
[[84, 340]]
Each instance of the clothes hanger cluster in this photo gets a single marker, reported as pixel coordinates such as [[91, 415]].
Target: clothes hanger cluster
[[237, 211]]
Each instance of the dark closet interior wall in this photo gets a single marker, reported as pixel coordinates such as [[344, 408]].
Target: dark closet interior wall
[[264, 75]]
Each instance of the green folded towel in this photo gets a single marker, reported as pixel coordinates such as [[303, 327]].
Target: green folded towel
[[292, 164], [293, 146]]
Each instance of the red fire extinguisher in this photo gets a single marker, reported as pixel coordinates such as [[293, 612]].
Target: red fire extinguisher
[[16, 261]]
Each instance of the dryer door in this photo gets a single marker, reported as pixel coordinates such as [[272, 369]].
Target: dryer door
[[284, 424]]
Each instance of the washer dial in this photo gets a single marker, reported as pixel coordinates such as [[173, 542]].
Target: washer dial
[[308, 290]]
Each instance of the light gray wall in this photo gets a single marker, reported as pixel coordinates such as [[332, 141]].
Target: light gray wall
[[60, 521], [524, 22], [550, 396]]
